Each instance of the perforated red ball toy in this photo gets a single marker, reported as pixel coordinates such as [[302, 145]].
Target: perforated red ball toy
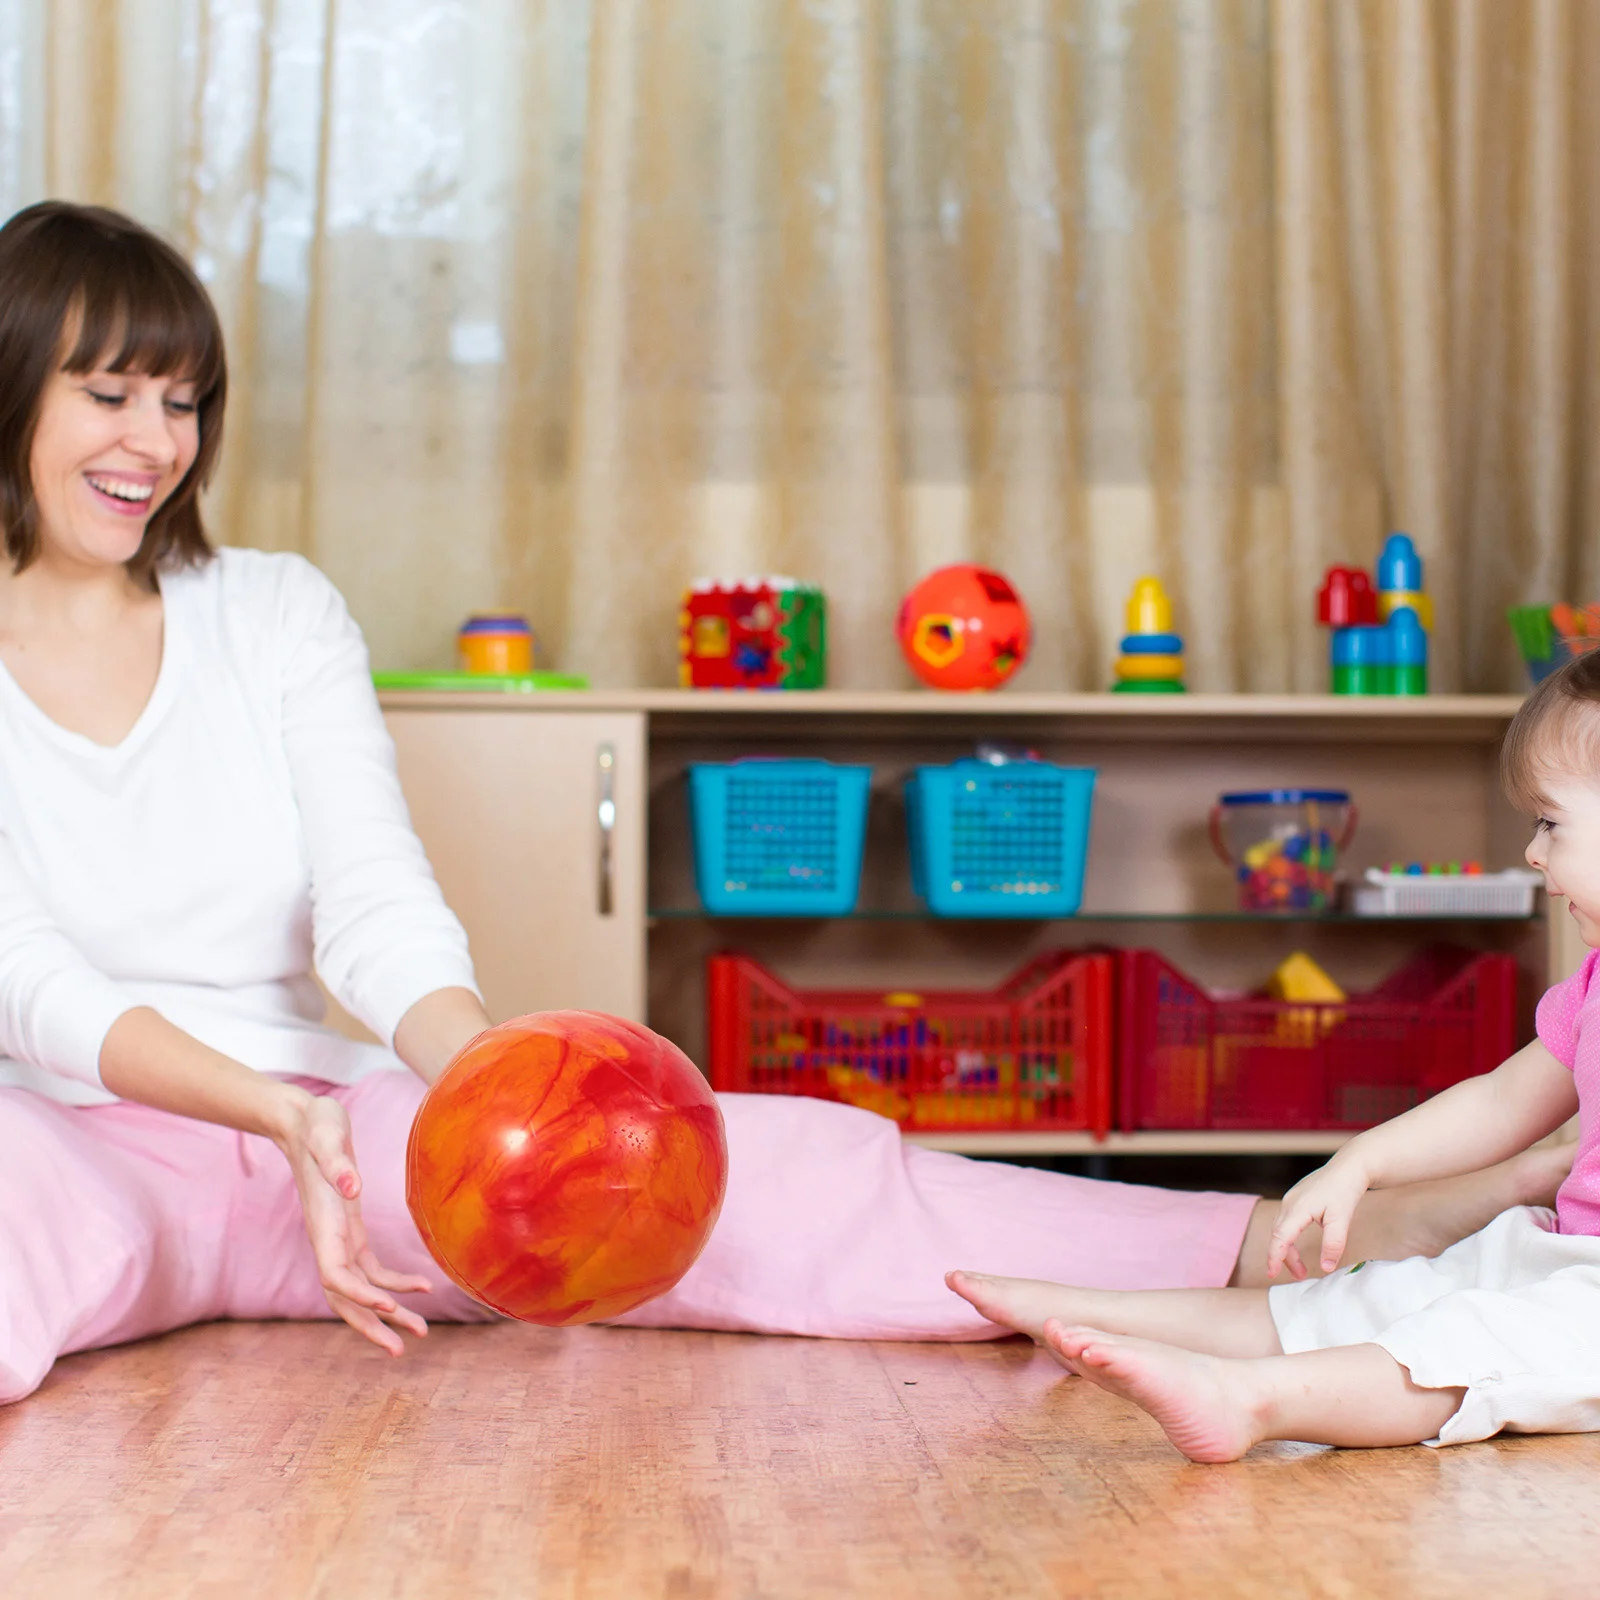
[[567, 1167], [964, 627]]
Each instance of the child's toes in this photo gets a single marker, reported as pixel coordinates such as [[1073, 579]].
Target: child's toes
[[1069, 1342]]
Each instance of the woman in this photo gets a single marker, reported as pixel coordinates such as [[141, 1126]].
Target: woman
[[198, 805]]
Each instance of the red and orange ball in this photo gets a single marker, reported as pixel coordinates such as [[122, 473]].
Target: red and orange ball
[[567, 1167]]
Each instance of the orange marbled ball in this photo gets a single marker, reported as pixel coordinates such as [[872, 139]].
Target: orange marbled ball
[[567, 1167]]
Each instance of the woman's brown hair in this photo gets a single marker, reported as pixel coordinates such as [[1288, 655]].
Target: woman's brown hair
[[136, 306], [1556, 731]]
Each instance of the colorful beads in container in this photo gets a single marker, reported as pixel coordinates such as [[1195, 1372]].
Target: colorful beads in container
[[752, 633], [1283, 845], [1151, 661]]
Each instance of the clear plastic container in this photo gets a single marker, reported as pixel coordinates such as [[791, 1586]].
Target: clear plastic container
[[1283, 845]]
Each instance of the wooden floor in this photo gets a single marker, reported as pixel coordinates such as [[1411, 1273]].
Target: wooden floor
[[283, 1461]]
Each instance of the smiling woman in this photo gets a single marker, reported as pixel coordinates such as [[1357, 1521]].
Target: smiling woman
[[106, 436], [101, 316]]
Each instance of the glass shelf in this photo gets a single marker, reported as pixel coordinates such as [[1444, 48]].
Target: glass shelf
[[1261, 919]]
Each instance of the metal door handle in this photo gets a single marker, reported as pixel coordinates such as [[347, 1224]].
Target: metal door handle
[[607, 813]]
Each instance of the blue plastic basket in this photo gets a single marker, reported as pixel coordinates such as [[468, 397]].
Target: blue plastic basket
[[1004, 840], [778, 838]]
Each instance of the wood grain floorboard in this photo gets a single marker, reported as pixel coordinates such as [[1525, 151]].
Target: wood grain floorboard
[[278, 1460]]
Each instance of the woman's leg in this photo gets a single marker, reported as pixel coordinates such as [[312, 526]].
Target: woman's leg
[[1214, 1408], [111, 1222], [834, 1226]]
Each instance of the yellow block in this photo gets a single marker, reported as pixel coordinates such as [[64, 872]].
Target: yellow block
[[1299, 978], [1422, 604], [857, 1089], [1144, 669], [1149, 609]]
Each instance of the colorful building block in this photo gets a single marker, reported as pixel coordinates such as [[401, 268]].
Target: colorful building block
[[1379, 642], [754, 633]]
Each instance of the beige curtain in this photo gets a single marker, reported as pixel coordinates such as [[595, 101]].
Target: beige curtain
[[556, 305]]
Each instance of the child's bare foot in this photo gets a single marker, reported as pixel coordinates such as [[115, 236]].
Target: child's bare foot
[[1200, 1404], [1025, 1304]]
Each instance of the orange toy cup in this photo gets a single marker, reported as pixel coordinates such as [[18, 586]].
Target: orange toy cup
[[567, 1167], [499, 645]]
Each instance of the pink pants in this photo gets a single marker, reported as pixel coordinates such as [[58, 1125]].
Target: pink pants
[[118, 1222]]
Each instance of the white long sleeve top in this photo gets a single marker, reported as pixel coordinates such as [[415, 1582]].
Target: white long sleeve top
[[248, 830]]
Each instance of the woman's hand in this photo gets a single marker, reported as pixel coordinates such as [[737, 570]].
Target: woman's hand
[[315, 1140], [1328, 1196]]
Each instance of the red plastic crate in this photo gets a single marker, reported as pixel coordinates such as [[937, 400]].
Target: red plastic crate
[[1033, 1054], [1186, 1060]]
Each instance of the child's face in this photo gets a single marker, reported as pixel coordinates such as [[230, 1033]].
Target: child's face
[[1566, 849]]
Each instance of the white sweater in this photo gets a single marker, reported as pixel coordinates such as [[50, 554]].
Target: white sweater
[[248, 826]]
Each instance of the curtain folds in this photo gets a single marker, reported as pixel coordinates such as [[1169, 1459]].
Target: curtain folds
[[557, 304]]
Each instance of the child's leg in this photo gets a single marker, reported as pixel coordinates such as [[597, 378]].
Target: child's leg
[[1418, 1219], [1215, 1409], [1221, 1322]]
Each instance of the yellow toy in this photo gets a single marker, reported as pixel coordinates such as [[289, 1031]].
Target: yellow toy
[[1151, 661], [1298, 977]]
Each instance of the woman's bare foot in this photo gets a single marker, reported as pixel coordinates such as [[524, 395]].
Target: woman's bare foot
[[1203, 1407]]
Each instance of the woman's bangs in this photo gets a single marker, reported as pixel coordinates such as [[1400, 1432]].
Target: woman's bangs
[[138, 315]]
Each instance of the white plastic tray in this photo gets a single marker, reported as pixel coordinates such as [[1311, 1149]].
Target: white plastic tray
[[1484, 894]]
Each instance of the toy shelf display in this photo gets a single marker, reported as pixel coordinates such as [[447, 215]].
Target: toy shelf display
[[611, 861]]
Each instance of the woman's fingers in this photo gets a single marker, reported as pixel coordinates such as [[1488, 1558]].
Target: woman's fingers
[[395, 1282], [369, 1326], [329, 1144]]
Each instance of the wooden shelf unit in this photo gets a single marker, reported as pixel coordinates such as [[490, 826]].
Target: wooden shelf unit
[[506, 792]]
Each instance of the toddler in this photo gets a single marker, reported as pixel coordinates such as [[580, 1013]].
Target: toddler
[[1499, 1333]]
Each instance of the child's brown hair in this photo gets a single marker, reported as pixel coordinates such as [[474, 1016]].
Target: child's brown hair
[[1556, 730]]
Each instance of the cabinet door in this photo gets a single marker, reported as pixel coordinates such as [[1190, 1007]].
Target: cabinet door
[[511, 808]]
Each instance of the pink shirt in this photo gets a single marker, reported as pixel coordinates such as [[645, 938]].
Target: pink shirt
[[1569, 1027]]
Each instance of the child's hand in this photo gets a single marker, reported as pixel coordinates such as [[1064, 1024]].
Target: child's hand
[[1328, 1196]]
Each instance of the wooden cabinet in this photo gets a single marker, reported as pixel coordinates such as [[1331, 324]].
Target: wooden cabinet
[[506, 794], [534, 821]]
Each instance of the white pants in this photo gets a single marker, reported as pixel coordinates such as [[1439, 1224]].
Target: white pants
[[1511, 1314]]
